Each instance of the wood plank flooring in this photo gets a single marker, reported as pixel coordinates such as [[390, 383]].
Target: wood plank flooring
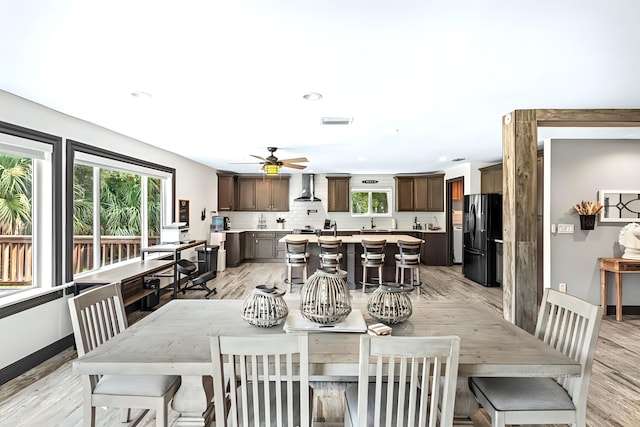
[[50, 395]]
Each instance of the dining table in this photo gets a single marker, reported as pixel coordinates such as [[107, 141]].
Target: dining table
[[174, 340]]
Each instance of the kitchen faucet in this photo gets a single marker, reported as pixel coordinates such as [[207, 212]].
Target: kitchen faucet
[[372, 224]]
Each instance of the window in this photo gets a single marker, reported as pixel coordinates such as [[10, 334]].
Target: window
[[371, 202], [26, 220], [118, 207]]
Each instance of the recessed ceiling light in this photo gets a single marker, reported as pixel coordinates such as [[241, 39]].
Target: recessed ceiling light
[[442, 159], [140, 94], [312, 96]]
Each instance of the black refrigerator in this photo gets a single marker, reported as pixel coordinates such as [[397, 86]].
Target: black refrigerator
[[482, 225]]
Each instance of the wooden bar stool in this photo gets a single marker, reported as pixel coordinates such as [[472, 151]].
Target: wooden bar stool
[[330, 255], [408, 257], [373, 257], [296, 257]]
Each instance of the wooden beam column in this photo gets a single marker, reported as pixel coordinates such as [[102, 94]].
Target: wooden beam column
[[519, 140]]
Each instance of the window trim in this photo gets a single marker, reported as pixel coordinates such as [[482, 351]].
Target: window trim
[[56, 192], [74, 147], [387, 190]]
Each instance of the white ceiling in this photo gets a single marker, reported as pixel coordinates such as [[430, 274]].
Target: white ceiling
[[423, 80]]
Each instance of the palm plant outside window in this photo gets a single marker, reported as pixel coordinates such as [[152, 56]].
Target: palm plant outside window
[[115, 214]]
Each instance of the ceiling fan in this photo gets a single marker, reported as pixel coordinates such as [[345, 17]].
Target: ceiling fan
[[271, 164]]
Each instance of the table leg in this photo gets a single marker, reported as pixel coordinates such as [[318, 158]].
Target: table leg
[[604, 286], [618, 296], [466, 403], [193, 401]]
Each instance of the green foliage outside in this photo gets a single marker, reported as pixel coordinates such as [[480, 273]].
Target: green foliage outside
[[360, 202], [15, 195]]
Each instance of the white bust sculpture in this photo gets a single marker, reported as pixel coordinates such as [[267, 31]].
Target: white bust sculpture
[[630, 239]]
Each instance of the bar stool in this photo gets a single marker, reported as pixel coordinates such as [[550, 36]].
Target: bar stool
[[408, 257], [330, 255], [373, 257], [296, 257]]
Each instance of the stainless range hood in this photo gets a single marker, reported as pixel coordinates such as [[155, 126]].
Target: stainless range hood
[[307, 194]]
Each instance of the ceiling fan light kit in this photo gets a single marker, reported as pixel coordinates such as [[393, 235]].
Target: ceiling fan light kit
[[271, 170]]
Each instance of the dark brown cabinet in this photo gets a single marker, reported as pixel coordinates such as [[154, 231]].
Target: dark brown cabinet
[[263, 194], [434, 249], [423, 193], [338, 194], [491, 179], [249, 245], [226, 192], [234, 246]]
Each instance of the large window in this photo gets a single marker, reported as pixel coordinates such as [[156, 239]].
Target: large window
[[118, 207], [370, 202], [26, 222]]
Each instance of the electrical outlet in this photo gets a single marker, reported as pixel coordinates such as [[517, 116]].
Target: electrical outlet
[[562, 287], [565, 228]]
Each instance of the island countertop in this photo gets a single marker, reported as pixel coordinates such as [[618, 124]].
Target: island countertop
[[354, 238]]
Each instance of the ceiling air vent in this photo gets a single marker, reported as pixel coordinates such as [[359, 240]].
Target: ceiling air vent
[[337, 120]]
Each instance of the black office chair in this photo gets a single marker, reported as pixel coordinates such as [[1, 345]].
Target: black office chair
[[190, 270]]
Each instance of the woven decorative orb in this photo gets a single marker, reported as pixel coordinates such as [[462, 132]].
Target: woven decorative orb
[[265, 306], [390, 303], [325, 298]]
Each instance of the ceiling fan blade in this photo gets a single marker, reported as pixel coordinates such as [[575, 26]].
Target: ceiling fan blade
[[258, 157], [246, 163], [296, 160], [293, 165]]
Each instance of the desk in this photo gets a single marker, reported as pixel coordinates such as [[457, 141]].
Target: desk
[[175, 340], [174, 249], [123, 274], [618, 266]]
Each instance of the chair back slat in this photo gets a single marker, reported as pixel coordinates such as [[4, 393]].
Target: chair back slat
[[261, 371], [570, 325], [418, 376], [97, 316]]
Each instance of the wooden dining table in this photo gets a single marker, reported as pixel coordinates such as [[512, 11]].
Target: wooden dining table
[[175, 340]]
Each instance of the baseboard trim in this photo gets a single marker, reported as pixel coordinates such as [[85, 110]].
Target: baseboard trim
[[626, 309], [31, 361]]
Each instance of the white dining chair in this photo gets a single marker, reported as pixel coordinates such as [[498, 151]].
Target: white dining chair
[[569, 325], [414, 382], [244, 363], [97, 316]]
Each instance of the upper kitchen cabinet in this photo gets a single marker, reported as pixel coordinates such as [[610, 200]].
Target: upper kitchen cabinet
[[491, 179], [226, 192], [263, 193], [338, 192], [422, 193]]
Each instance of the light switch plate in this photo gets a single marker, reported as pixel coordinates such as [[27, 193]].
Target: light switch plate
[[565, 228]]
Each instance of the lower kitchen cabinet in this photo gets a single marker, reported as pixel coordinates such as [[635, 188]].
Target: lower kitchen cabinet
[[434, 249], [234, 246]]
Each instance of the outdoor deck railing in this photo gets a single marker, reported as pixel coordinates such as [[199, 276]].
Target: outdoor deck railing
[[16, 266]]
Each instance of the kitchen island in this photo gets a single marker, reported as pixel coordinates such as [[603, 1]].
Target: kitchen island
[[351, 252]]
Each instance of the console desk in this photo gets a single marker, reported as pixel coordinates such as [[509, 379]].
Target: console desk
[[618, 266]]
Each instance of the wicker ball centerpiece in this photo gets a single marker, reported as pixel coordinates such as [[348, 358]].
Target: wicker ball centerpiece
[[390, 303], [324, 298], [265, 306]]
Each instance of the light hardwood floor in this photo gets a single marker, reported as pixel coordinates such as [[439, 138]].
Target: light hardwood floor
[[50, 395]]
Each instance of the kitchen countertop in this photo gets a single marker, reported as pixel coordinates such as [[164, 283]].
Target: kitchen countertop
[[348, 230]]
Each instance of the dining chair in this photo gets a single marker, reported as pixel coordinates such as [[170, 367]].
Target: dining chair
[[296, 256], [97, 316], [372, 257], [330, 255], [414, 382], [268, 379], [571, 326], [408, 256]]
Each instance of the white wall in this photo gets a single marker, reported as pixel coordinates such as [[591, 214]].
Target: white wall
[[31, 330], [576, 170]]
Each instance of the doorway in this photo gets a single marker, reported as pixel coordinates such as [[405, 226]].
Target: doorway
[[455, 197]]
